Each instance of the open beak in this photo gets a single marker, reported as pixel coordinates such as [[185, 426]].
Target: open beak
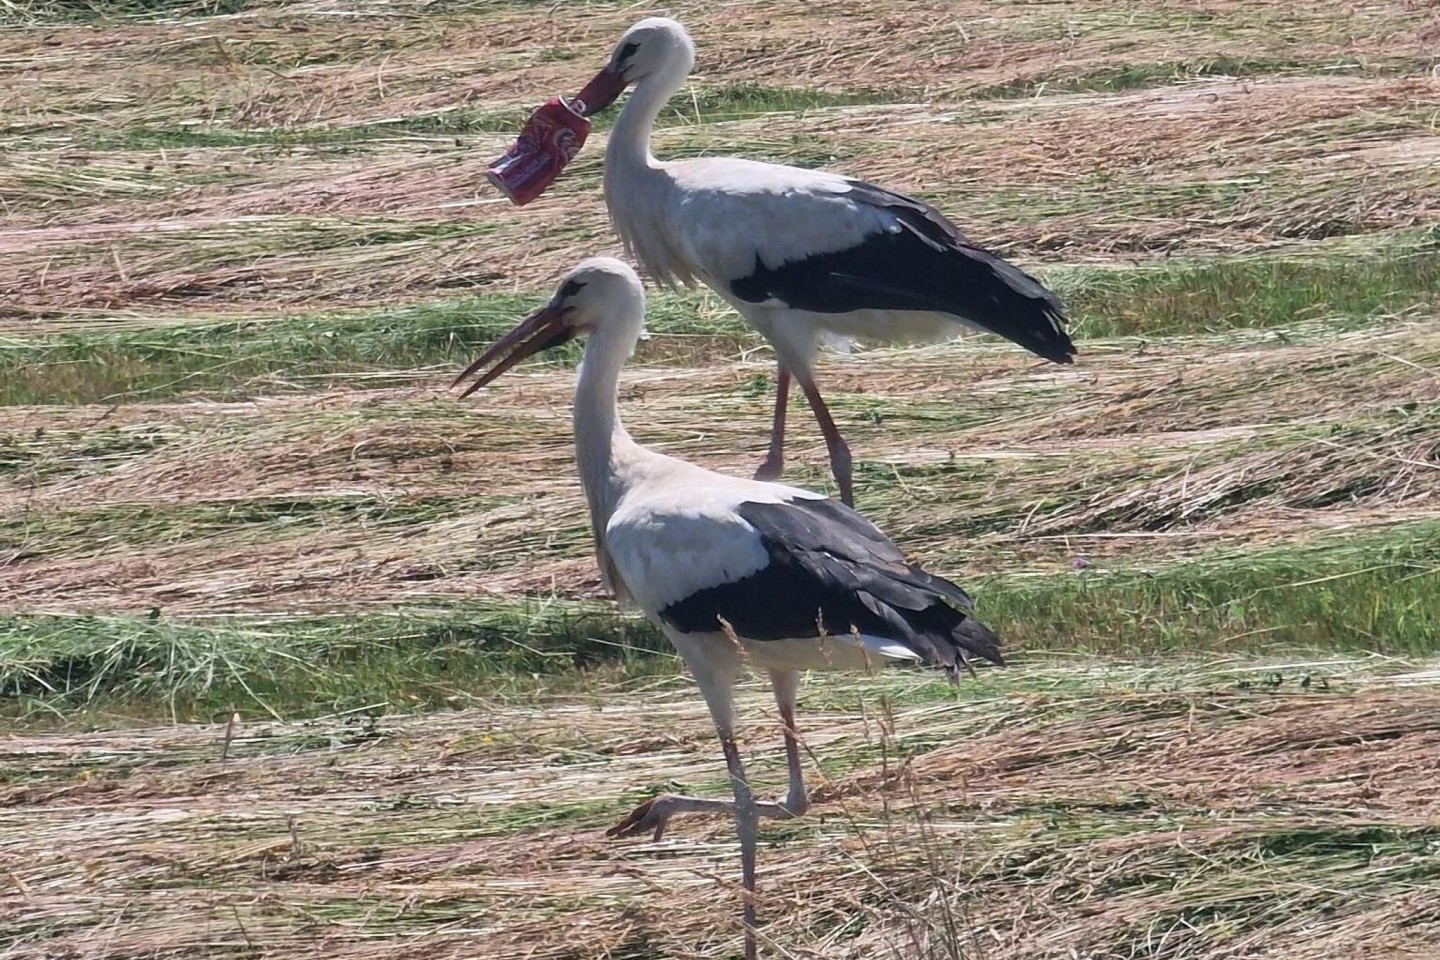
[[599, 93], [543, 329]]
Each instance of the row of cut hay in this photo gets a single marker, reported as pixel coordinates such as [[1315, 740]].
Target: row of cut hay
[[293, 261], [1231, 378], [301, 217], [283, 261], [1238, 381], [1158, 137], [108, 194], [232, 504], [1221, 129], [1039, 823], [1164, 394], [1220, 750], [259, 569], [286, 65], [1395, 462]]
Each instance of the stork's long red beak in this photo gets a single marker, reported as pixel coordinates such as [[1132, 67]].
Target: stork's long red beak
[[543, 329], [599, 93]]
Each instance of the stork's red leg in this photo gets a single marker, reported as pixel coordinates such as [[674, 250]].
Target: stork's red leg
[[747, 826], [839, 449], [654, 814], [775, 460], [786, 684]]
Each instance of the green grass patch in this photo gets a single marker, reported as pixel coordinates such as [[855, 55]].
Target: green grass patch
[[1376, 593], [235, 358], [1207, 296], [240, 358], [300, 666]]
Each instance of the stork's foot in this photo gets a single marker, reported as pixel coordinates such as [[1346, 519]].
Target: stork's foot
[[653, 814], [770, 469]]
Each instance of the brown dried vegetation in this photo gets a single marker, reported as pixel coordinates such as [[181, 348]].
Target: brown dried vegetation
[[312, 156], [1204, 821]]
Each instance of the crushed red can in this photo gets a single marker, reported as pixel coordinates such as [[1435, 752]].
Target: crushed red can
[[550, 139]]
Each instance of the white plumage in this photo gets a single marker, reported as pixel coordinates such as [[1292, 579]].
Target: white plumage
[[805, 256], [677, 533], [731, 570]]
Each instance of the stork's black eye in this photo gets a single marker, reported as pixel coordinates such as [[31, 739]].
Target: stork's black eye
[[569, 288], [626, 52]]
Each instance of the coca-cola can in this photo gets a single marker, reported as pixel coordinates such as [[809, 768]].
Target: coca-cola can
[[550, 139]]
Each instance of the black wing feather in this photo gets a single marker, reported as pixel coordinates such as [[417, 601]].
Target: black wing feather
[[831, 569], [928, 264]]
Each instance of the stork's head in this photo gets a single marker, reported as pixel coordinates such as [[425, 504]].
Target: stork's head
[[656, 46], [601, 294]]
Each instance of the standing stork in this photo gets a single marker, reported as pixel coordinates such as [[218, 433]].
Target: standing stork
[[730, 569], [803, 255]]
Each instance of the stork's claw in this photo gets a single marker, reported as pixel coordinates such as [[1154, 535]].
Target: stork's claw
[[653, 814]]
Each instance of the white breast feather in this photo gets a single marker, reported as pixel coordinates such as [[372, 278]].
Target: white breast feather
[[639, 201], [679, 534]]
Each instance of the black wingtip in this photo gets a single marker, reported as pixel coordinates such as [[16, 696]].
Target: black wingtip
[[972, 636], [1054, 356], [1045, 337]]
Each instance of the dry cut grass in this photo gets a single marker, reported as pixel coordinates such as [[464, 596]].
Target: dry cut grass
[[113, 198], [1210, 167], [297, 63], [345, 495], [1045, 814], [303, 157]]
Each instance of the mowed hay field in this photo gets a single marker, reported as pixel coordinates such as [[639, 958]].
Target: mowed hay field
[[301, 657]]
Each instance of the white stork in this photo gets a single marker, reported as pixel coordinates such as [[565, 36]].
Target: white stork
[[803, 255], [730, 569]]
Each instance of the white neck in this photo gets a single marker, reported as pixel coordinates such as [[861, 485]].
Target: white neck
[[603, 448], [629, 146], [638, 188]]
